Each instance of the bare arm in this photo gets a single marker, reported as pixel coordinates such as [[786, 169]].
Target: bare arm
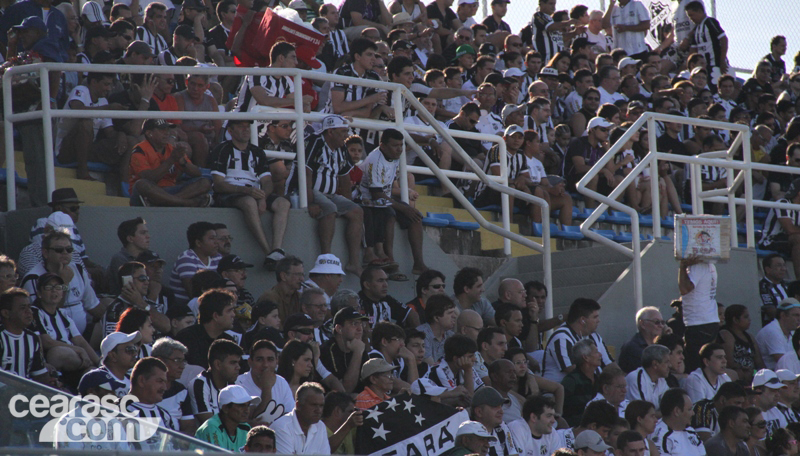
[[351, 376], [557, 389], [355, 108]]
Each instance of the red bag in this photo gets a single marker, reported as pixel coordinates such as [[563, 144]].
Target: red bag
[[264, 31]]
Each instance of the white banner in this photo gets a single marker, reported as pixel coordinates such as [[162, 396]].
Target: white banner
[[435, 440]]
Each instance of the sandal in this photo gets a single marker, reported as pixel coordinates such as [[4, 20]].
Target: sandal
[[398, 277]]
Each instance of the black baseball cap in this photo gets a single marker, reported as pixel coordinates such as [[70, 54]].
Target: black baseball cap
[[229, 262], [402, 44], [148, 256], [347, 313], [151, 124], [179, 311], [297, 320], [186, 31], [487, 49]]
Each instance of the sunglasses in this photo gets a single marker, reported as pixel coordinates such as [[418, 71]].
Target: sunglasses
[[143, 278], [61, 249], [55, 288], [305, 331], [131, 349], [438, 286]]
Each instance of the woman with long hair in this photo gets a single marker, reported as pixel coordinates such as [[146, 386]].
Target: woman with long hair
[[758, 431], [296, 364], [530, 384], [782, 442], [740, 347], [641, 415], [561, 62], [135, 319]]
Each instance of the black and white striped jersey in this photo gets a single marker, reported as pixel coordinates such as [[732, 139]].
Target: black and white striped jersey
[[772, 225], [275, 86], [706, 38], [516, 165], [546, 42], [21, 354], [239, 167], [152, 411], [339, 42], [204, 395], [352, 92], [176, 401], [712, 173], [58, 326], [326, 164], [772, 293], [156, 42]]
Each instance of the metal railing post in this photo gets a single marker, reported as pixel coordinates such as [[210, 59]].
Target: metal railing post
[[505, 203], [397, 104], [748, 191], [8, 109], [731, 190], [655, 194], [47, 126], [299, 127]]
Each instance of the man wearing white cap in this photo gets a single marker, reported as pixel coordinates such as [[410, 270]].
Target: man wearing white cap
[[583, 153], [787, 396], [627, 66], [301, 431], [766, 386], [328, 167], [228, 429], [466, 10], [472, 438], [327, 274], [590, 443], [119, 352], [31, 254]]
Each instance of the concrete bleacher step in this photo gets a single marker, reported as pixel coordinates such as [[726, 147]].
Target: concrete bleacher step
[[434, 201]]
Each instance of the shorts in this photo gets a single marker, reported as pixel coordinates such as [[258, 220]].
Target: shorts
[[491, 197], [229, 199], [333, 204], [136, 199]]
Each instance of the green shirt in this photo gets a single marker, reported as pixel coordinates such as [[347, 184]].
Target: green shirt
[[213, 432]]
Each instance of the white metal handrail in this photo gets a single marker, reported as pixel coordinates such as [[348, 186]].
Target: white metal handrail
[[399, 92]]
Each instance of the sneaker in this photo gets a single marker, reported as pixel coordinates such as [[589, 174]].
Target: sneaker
[[271, 261]]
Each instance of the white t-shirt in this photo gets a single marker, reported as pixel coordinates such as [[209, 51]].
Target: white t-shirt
[[290, 438], [610, 98], [774, 419], [641, 387], [677, 443], [574, 103], [632, 13], [65, 124], [80, 298], [600, 40], [490, 124], [698, 387], [378, 173], [528, 444], [282, 399], [772, 341], [789, 361], [536, 169], [700, 304]]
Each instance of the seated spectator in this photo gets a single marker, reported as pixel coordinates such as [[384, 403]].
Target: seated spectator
[[81, 301], [677, 367], [138, 320], [531, 384], [260, 439], [772, 286], [631, 442], [649, 325], [550, 188], [492, 345], [783, 441], [612, 388], [648, 383], [535, 431], [705, 381], [135, 238], [134, 294], [582, 321], [415, 342], [642, 417], [249, 188], [180, 316], [598, 417], [579, 385], [326, 275], [312, 437], [156, 167], [790, 360], [31, 254], [201, 254], [775, 339], [345, 353], [85, 140], [487, 409], [787, 396], [590, 443], [376, 374], [263, 381], [674, 435], [297, 362], [176, 399], [468, 294], [341, 420], [8, 273], [441, 316], [509, 319], [266, 325], [148, 378], [378, 305], [21, 347], [741, 350], [504, 380], [63, 345], [583, 153], [312, 304], [286, 293], [228, 428], [388, 342], [766, 386], [455, 371], [223, 369], [216, 316], [118, 355], [232, 268], [707, 411]]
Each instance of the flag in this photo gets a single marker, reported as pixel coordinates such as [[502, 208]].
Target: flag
[[408, 425]]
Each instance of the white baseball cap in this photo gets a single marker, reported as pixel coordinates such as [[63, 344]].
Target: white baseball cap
[[117, 338], [766, 377], [94, 12], [235, 394], [592, 440], [513, 129], [334, 121], [510, 109], [327, 263], [474, 428], [785, 375], [513, 72], [467, 2], [626, 61], [598, 122]]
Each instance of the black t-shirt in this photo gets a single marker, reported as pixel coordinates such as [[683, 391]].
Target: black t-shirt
[[472, 147], [446, 20], [580, 147], [335, 360], [369, 9], [217, 37], [197, 341], [667, 143]]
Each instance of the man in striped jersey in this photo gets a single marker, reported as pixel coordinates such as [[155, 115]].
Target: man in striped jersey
[[706, 411], [673, 435], [155, 24], [337, 41], [223, 370], [782, 226], [707, 39], [176, 399], [548, 36], [119, 354], [20, 348], [772, 286], [272, 91], [148, 384]]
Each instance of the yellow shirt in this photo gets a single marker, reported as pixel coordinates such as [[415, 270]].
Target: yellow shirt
[[347, 446]]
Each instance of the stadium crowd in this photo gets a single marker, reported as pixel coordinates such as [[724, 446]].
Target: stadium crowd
[[301, 362]]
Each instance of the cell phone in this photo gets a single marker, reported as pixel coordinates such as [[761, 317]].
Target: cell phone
[[127, 280]]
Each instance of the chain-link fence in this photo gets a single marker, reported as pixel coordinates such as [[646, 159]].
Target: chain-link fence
[[748, 25]]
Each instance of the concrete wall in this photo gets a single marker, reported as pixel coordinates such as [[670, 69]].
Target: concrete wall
[[98, 226], [738, 284]]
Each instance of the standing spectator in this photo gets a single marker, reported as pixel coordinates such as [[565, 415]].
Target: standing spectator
[[201, 254], [630, 22], [648, 383], [704, 382], [301, 431], [155, 25], [20, 347], [697, 282], [740, 348], [495, 22], [440, 14], [548, 34], [579, 385], [217, 36], [241, 176], [289, 274], [223, 369], [216, 316], [777, 49], [772, 286], [357, 15], [673, 435], [199, 133], [337, 40], [649, 325], [228, 428], [707, 39], [775, 339]]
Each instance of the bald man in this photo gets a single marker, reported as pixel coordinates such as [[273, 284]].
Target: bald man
[[511, 291], [469, 323]]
